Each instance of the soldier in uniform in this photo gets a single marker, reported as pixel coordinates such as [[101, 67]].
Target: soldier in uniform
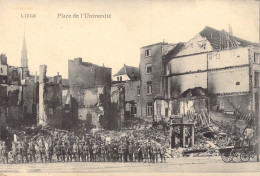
[[31, 150], [95, 152], [103, 150], [58, 151], [162, 154], [69, 152], [63, 151], [136, 152], [14, 152], [149, 152], [120, 152], [50, 151], [115, 152], [74, 151], [125, 151], [42, 150], [80, 151], [24, 151], [154, 152], [91, 153], [5, 153], [157, 153], [1, 152], [144, 152], [85, 152], [131, 150], [109, 152]]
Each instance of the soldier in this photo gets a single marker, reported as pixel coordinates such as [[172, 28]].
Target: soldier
[[80, 152], [95, 152], [121, 151], [14, 152], [1, 151], [85, 152], [19, 151], [136, 152], [58, 151], [42, 149], [144, 152], [69, 152], [131, 150], [5, 153], [50, 151], [91, 153], [162, 154], [74, 151], [125, 151], [24, 151], [154, 152], [109, 152], [149, 150], [103, 152], [63, 151], [31, 150], [157, 153]]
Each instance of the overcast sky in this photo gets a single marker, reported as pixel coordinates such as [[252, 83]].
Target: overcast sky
[[115, 41]]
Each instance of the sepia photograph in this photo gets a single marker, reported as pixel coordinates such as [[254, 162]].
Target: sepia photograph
[[129, 87]]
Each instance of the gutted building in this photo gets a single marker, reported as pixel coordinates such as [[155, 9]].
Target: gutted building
[[90, 87], [223, 67], [125, 94]]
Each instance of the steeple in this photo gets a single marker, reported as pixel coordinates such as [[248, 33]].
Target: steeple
[[24, 59]]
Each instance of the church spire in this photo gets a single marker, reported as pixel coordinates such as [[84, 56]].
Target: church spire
[[24, 59]]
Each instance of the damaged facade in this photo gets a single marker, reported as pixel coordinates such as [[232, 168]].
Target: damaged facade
[[125, 95], [18, 92], [90, 87], [214, 69]]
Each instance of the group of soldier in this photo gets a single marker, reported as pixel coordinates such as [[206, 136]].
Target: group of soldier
[[82, 150]]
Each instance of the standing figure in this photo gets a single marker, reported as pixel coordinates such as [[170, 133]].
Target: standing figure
[[121, 151], [136, 152], [14, 152], [74, 151], [31, 150], [103, 152], [4, 153], [131, 150], [144, 152], [162, 154]]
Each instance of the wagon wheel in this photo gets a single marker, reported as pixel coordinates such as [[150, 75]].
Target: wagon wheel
[[245, 156], [226, 157], [235, 156]]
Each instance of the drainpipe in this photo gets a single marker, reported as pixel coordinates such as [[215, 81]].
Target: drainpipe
[[257, 116]]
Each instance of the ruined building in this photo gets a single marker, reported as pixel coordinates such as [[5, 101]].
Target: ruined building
[[18, 90], [54, 101], [212, 71], [125, 94], [90, 87]]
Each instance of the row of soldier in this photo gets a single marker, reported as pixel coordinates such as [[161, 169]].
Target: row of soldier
[[85, 150]]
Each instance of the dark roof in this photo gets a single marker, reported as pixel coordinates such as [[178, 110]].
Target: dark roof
[[172, 53], [214, 36], [130, 71], [194, 92]]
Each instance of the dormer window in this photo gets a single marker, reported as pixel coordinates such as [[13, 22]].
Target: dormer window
[[119, 78]]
